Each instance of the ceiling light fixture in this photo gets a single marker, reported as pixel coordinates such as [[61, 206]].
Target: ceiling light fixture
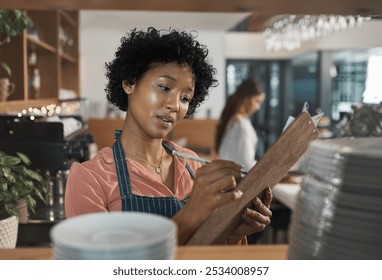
[[287, 32]]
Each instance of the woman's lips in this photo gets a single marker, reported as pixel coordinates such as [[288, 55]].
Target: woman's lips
[[166, 120]]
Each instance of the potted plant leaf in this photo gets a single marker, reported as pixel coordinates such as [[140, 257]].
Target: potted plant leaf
[[17, 182], [12, 23]]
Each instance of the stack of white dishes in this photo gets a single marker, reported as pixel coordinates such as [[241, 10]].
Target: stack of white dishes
[[339, 209], [115, 236]]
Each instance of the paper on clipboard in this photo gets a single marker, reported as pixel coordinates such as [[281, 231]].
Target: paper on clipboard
[[316, 119]]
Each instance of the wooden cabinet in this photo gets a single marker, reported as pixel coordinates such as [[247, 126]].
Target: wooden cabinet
[[53, 38]]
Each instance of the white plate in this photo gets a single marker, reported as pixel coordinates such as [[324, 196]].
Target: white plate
[[114, 231]]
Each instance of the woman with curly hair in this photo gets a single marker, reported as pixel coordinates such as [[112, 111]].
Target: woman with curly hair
[[159, 77]]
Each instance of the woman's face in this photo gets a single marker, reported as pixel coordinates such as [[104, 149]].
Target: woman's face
[[254, 103], [160, 99]]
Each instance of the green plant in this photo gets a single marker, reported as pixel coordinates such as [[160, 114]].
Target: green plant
[[18, 182], [12, 23]]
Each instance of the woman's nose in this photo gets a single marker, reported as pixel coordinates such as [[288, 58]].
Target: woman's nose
[[173, 102]]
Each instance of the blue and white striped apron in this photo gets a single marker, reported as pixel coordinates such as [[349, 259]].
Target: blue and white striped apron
[[165, 206]]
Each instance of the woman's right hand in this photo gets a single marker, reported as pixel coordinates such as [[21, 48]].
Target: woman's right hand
[[214, 186]]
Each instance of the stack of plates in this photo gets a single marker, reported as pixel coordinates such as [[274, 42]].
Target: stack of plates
[[116, 236], [339, 209]]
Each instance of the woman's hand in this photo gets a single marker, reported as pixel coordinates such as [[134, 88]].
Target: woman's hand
[[214, 186], [254, 220]]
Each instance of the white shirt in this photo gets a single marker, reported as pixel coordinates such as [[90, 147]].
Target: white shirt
[[239, 142]]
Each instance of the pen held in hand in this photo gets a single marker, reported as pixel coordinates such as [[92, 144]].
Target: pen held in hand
[[194, 158]]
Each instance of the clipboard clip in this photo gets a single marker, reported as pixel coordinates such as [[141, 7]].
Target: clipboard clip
[[316, 119]]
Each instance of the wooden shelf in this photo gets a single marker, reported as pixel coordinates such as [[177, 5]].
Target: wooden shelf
[[68, 58], [35, 43], [55, 44]]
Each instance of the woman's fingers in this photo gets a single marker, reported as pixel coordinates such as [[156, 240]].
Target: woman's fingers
[[223, 184], [218, 164], [255, 218], [214, 186], [218, 176], [218, 168], [254, 221], [267, 198], [262, 208]]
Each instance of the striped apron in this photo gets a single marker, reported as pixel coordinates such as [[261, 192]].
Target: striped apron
[[165, 206]]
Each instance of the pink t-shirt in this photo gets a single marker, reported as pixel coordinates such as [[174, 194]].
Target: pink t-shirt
[[92, 186]]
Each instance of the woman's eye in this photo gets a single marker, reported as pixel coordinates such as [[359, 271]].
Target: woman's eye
[[164, 88], [186, 98]]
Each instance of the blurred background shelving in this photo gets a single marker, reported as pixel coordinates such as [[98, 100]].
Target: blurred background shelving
[[52, 40]]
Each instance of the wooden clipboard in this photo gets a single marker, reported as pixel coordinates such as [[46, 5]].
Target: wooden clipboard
[[267, 172]]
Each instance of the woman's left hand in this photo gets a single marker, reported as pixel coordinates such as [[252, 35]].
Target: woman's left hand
[[255, 219]]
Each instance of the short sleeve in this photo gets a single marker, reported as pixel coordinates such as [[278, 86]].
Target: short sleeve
[[83, 193]]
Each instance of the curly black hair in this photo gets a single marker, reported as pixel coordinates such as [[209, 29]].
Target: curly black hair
[[140, 50]]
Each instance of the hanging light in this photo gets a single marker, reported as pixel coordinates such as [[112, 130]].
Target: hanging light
[[287, 32]]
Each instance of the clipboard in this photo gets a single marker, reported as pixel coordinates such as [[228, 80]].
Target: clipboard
[[267, 172]]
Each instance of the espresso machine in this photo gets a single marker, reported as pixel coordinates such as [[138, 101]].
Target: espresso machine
[[51, 153]]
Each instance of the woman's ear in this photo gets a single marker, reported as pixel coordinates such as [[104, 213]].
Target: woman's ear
[[127, 88]]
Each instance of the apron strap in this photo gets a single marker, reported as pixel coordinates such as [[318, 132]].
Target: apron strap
[[122, 172], [117, 134]]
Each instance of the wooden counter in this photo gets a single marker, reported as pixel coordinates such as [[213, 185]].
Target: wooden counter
[[252, 252]]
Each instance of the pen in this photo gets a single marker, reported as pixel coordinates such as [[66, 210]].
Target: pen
[[191, 157]]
